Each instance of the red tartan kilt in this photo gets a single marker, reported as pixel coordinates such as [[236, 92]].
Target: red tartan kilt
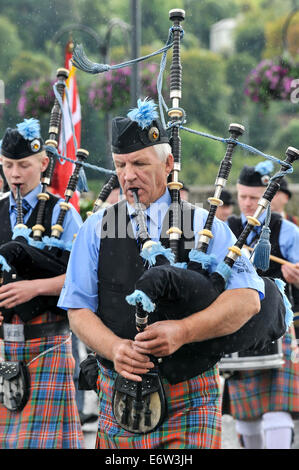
[[254, 393], [50, 419], [193, 422]]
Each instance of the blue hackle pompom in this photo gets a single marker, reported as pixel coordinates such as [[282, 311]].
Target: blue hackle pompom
[[289, 316], [150, 254], [29, 129], [144, 114], [224, 270], [82, 62], [54, 242], [208, 262], [140, 297], [4, 264], [36, 243], [264, 168], [182, 265], [21, 232]]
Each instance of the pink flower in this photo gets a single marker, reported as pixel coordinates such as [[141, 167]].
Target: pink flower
[[22, 105]]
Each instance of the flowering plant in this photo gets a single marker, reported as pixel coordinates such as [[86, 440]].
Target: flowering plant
[[37, 98], [112, 90], [271, 80]]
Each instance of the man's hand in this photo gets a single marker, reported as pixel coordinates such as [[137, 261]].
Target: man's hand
[[291, 274], [16, 293], [128, 361], [1, 318], [161, 338]]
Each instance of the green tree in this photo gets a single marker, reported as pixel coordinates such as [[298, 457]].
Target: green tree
[[205, 92], [10, 45], [237, 67], [250, 38], [200, 15]]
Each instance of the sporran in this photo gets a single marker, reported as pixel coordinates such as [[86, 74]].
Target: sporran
[[14, 385]]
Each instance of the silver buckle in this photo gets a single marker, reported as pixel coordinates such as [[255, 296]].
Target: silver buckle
[[13, 332]]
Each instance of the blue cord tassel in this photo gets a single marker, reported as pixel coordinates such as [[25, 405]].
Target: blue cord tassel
[[263, 248], [289, 312], [82, 62], [82, 185], [141, 297]]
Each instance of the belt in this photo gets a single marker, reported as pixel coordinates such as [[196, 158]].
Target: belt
[[20, 332]]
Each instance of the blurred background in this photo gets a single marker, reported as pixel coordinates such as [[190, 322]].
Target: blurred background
[[240, 64]]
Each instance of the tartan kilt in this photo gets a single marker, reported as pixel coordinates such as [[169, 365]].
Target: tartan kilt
[[50, 419], [193, 420], [253, 393]]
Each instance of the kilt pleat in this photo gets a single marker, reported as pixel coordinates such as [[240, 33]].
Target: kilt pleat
[[193, 421], [254, 393], [50, 419]]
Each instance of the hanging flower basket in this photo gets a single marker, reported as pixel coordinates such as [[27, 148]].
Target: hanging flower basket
[[37, 98], [112, 90], [271, 80]]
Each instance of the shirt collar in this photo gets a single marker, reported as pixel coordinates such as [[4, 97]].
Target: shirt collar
[[30, 198]]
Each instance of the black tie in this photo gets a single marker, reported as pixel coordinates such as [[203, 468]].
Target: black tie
[[25, 208]]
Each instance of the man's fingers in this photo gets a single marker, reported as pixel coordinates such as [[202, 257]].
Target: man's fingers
[[127, 375]]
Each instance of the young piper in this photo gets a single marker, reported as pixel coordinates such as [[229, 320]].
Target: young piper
[[50, 419]]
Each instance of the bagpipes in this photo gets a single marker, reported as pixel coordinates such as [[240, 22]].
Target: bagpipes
[[29, 255], [175, 292]]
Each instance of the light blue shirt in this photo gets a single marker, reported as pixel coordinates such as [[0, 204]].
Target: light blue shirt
[[80, 289], [72, 221], [288, 238]]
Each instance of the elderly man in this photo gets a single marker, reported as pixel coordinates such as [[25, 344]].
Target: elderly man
[[40, 338], [103, 269], [264, 401]]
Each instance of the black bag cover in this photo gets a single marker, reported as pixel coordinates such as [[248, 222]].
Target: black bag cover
[[29, 263], [178, 293]]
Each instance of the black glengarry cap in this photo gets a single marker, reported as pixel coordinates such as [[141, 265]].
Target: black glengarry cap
[[258, 175], [23, 141], [140, 129]]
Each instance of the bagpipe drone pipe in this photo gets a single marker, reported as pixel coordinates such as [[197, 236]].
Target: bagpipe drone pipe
[[29, 255], [175, 291]]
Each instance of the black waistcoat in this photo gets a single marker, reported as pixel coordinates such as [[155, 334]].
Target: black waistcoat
[[274, 268], [120, 265], [32, 308]]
